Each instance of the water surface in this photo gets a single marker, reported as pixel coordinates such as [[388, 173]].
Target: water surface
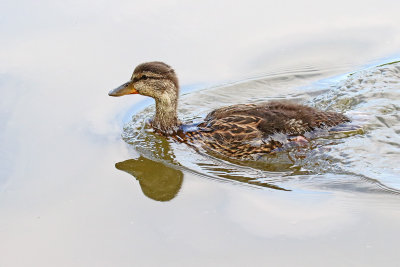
[[64, 200], [357, 156]]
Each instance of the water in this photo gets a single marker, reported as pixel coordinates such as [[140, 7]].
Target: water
[[357, 156], [83, 184]]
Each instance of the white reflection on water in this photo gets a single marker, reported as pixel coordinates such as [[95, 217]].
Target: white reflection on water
[[64, 204], [205, 41]]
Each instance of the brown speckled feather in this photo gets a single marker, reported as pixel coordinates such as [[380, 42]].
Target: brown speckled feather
[[240, 131]]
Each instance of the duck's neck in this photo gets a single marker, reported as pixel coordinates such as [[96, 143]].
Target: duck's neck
[[166, 119]]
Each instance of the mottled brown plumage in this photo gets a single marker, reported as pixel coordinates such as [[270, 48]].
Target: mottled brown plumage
[[238, 131]]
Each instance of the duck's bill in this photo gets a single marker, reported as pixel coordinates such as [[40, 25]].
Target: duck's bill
[[125, 89]]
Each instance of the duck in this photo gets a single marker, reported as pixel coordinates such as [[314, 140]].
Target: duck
[[241, 131]]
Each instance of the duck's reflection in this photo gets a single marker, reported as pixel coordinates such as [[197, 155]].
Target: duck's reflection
[[158, 181], [162, 183]]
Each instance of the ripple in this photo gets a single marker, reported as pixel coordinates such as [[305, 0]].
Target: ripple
[[364, 150]]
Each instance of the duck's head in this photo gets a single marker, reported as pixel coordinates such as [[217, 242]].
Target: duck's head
[[159, 81], [154, 79]]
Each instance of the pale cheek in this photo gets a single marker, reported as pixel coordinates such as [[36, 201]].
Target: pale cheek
[[144, 90], [150, 93]]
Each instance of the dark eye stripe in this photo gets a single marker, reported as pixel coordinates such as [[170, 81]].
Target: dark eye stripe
[[144, 77]]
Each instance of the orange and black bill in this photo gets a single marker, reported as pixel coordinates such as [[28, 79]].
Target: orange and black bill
[[125, 89]]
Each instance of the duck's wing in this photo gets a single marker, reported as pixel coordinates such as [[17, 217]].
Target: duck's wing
[[242, 130], [237, 135], [274, 117], [232, 128], [229, 110]]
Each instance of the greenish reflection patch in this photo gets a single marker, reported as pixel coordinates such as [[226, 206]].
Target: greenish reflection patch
[[158, 181]]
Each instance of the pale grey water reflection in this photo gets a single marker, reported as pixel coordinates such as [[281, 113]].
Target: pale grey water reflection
[[63, 203]]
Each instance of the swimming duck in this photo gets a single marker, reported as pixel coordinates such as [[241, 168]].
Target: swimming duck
[[238, 131]]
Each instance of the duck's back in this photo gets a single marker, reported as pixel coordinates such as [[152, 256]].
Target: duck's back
[[241, 130]]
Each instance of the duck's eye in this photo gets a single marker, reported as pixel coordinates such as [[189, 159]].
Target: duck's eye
[[144, 77]]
